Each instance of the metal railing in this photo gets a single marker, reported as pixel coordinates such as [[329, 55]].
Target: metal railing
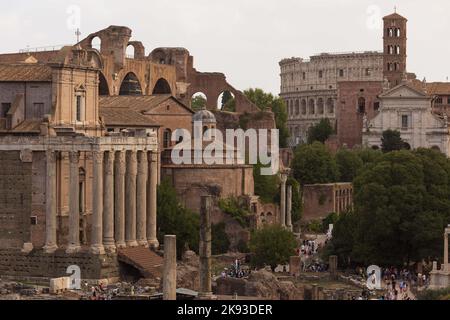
[[41, 49]]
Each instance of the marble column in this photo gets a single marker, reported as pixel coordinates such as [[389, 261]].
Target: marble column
[[74, 204], [97, 201], [289, 209], [283, 200], [151, 201], [130, 200], [170, 268], [50, 204], [108, 204], [119, 199], [141, 199], [205, 248]]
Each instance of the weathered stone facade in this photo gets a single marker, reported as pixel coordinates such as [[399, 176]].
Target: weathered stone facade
[[408, 111], [323, 199]]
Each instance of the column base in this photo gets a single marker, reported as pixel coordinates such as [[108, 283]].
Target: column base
[[97, 249], [143, 243], [132, 244], [153, 244], [27, 247], [49, 249], [121, 245], [110, 248], [73, 249]]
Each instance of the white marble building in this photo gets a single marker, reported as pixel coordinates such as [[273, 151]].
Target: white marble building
[[408, 110]]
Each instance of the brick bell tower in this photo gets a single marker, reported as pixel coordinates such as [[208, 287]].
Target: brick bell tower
[[394, 40]]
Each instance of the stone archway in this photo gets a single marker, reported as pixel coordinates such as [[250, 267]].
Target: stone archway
[[130, 86], [103, 87], [162, 87]]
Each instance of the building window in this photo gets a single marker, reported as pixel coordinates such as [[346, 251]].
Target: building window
[[4, 109], [79, 106], [448, 100], [167, 137], [320, 74], [368, 71], [376, 106], [362, 105], [37, 112], [304, 75], [341, 73], [439, 100], [405, 122]]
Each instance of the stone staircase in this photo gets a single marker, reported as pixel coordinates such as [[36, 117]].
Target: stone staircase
[[143, 259]]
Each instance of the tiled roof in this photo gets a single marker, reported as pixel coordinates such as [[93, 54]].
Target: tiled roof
[[432, 88], [137, 103], [125, 117], [394, 16], [28, 126], [41, 56], [25, 73], [146, 261]]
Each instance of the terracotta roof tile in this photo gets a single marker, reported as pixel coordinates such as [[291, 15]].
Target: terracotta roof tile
[[125, 117], [25, 73], [41, 56], [137, 103]]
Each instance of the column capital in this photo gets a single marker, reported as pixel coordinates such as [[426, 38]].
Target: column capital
[[74, 157], [153, 157], [51, 155], [97, 157], [109, 163]]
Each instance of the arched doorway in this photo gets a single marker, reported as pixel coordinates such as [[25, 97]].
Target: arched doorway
[[198, 101], [130, 86], [162, 87], [226, 101]]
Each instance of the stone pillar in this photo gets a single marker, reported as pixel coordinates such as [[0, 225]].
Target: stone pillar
[[151, 201], [170, 268], [108, 204], [74, 204], [446, 266], [289, 209], [295, 266], [50, 203], [141, 199], [333, 266], [283, 200], [130, 200], [205, 249], [119, 199], [97, 200]]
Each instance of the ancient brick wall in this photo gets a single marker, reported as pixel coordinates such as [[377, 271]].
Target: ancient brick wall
[[15, 199], [350, 118], [15, 264]]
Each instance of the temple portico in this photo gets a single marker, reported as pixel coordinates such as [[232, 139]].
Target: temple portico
[[124, 182]]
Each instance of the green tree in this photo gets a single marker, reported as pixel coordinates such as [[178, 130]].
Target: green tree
[[368, 155], [297, 206], [220, 242], [392, 141], [314, 164], [174, 219], [271, 246], [348, 163], [198, 103], [266, 101], [401, 207], [266, 187], [320, 132]]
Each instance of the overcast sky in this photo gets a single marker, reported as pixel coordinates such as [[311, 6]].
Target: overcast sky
[[245, 39]]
